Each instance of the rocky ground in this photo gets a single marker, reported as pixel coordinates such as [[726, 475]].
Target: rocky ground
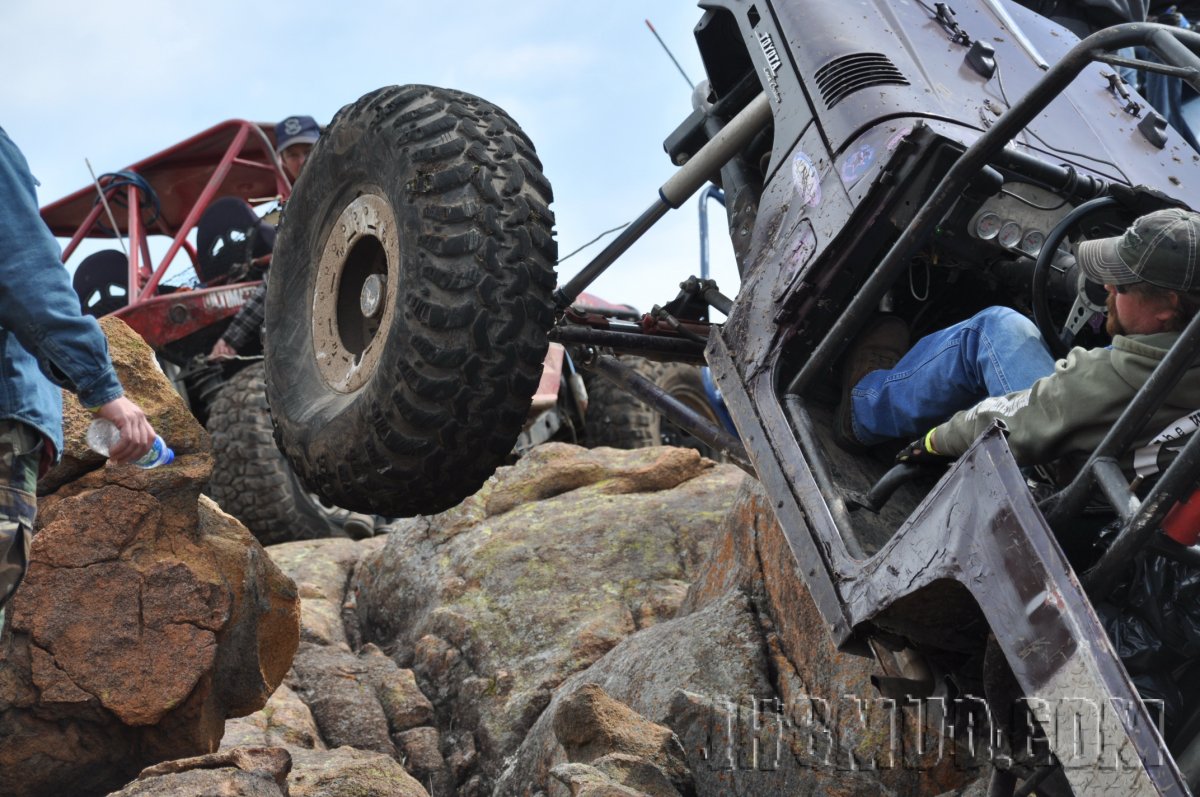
[[147, 617], [592, 623], [598, 623]]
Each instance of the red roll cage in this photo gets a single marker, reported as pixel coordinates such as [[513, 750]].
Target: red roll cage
[[233, 158]]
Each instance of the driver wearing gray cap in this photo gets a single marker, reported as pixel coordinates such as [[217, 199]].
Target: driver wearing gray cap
[[1066, 407]]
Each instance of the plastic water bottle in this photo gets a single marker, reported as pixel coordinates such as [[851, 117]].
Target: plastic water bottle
[[102, 435]]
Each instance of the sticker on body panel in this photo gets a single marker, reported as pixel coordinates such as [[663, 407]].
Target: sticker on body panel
[[228, 299], [856, 164], [808, 181]]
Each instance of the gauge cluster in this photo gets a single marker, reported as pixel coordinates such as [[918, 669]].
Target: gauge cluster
[[1018, 218]]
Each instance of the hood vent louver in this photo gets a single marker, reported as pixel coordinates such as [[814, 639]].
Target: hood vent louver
[[843, 76]]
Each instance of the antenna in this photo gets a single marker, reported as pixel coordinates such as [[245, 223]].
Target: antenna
[[107, 209], [667, 50]]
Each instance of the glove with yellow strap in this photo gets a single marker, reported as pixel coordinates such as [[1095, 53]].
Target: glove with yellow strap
[[922, 452]]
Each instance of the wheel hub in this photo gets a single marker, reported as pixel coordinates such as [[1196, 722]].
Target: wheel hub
[[370, 301], [354, 298]]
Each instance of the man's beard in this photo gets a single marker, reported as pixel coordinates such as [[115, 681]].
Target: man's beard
[[1113, 324]]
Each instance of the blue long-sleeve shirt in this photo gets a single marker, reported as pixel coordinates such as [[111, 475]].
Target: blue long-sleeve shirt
[[44, 337]]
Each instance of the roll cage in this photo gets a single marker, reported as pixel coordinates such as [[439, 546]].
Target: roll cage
[[171, 190]]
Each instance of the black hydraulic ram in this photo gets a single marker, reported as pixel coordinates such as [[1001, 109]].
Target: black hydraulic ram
[[674, 192], [986, 149], [671, 408], [674, 349]]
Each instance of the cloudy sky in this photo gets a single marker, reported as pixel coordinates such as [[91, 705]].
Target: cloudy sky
[[115, 82]]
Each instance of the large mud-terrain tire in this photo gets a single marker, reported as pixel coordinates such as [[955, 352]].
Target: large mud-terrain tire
[[251, 479], [409, 301], [615, 417]]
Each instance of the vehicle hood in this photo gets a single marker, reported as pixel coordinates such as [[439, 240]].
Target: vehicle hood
[[906, 65]]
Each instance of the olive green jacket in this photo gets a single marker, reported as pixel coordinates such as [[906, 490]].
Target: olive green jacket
[[1065, 415]]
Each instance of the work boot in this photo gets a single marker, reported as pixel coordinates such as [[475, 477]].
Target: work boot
[[359, 526], [878, 347]]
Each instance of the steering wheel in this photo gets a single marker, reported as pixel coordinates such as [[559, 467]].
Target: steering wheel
[[1085, 305]]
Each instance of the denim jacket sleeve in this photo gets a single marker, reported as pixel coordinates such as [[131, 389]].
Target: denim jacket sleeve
[[37, 303]]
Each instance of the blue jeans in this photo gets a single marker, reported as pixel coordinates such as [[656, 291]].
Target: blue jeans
[[995, 352]]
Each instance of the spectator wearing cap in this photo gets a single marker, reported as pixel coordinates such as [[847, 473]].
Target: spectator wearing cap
[[955, 383], [294, 140]]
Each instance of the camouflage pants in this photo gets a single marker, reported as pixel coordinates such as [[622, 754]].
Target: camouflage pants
[[20, 454]]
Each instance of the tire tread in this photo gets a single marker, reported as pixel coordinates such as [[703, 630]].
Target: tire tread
[[464, 352]]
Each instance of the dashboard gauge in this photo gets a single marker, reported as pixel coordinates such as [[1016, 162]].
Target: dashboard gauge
[[1009, 235], [987, 226], [1031, 244]]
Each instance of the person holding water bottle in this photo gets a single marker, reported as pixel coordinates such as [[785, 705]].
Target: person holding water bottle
[[45, 343]]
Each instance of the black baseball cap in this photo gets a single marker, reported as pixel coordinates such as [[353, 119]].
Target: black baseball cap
[[296, 130]]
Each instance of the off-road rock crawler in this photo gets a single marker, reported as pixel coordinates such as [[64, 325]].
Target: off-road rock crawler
[[476, 195], [900, 158]]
